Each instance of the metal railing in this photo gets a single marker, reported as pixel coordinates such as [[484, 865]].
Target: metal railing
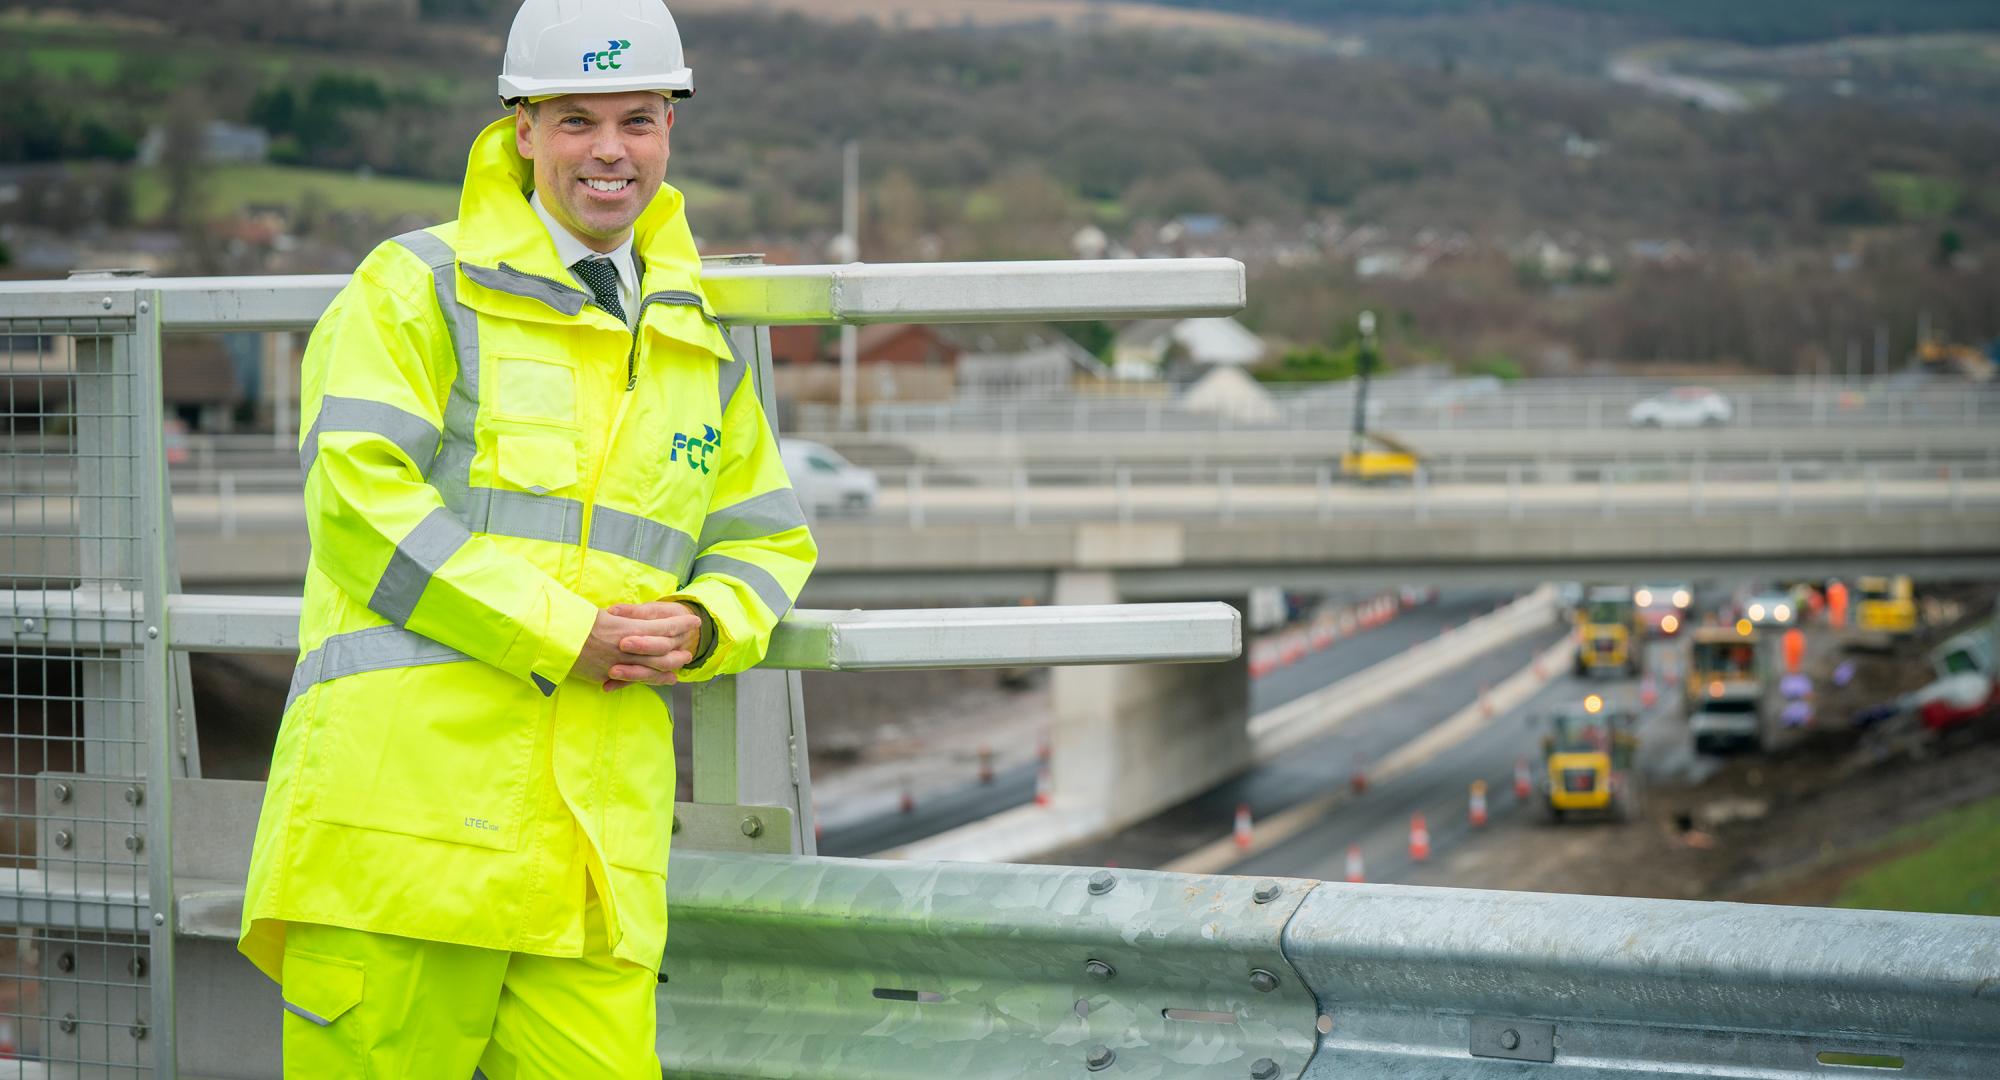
[[124, 887], [1534, 404], [920, 496]]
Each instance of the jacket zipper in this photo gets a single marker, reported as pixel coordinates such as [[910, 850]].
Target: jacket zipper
[[670, 296]]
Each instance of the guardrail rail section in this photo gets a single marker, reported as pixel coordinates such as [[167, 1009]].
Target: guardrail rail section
[[123, 877]]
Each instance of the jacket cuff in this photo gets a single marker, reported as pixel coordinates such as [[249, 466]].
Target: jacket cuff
[[713, 598], [705, 645], [549, 652]]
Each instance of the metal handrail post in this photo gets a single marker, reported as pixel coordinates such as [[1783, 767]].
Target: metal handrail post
[[163, 713], [749, 729]]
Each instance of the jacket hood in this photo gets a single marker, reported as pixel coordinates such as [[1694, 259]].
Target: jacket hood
[[496, 224]]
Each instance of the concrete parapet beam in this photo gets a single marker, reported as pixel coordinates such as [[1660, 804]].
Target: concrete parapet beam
[[1133, 739]]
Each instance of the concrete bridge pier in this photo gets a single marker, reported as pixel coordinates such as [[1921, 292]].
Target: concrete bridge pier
[[1135, 739]]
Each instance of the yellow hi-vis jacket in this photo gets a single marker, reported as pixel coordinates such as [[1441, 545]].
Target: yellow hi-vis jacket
[[489, 460]]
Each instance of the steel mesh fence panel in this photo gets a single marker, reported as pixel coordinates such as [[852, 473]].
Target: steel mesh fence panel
[[75, 922]]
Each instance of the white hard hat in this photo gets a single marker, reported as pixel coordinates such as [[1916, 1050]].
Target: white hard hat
[[593, 47]]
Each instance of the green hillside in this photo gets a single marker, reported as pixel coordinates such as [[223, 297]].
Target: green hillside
[[1769, 22]]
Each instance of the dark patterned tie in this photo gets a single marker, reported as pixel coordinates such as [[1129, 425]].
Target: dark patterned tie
[[602, 277]]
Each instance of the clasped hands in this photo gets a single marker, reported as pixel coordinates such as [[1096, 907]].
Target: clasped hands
[[639, 643]]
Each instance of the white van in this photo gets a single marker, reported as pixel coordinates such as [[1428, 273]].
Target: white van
[[827, 483]]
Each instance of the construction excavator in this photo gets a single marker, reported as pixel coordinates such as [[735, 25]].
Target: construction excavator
[[1588, 753]]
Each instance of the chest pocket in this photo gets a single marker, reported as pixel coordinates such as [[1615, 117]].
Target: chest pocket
[[537, 433]]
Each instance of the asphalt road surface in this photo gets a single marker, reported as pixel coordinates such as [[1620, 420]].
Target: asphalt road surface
[[1015, 786], [1313, 768], [1379, 821]]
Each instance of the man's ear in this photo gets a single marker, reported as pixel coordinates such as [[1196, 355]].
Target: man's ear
[[524, 132], [670, 115]]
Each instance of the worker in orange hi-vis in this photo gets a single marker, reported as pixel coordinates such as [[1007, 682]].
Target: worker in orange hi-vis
[[1795, 650], [1836, 604]]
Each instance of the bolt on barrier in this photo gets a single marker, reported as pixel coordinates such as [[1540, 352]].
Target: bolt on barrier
[[124, 876]]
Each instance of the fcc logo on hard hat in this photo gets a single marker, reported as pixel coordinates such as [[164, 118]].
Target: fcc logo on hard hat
[[559, 47], [607, 58]]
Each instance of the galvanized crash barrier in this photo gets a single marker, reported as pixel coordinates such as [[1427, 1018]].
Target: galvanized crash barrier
[[1468, 984], [123, 874]]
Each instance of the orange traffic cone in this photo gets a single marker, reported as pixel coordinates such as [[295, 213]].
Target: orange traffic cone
[[1044, 750], [1241, 833], [1420, 839], [1355, 874], [1043, 784], [1359, 780], [1475, 811], [985, 764], [908, 802], [1524, 785]]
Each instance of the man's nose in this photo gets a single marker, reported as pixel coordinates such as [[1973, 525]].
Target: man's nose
[[607, 147]]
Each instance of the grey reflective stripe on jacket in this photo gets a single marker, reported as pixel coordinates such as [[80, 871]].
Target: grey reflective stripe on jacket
[[415, 436], [643, 540], [417, 559], [754, 518], [759, 579], [304, 1013], [452, 473], [374, 649]]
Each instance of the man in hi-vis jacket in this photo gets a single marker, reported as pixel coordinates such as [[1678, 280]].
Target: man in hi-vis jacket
[[540, 489]]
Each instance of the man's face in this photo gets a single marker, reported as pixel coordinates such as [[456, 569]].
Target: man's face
[[599, 159]]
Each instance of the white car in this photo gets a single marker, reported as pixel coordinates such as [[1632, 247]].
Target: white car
[[1683, 407], [825, 481], [1770, 611]]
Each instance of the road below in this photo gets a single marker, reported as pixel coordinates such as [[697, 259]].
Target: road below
[[1013, 786], [1379, 821], [1313, 768]]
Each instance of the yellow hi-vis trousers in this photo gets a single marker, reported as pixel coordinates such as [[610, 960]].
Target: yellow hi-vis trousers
[[363, 1005]]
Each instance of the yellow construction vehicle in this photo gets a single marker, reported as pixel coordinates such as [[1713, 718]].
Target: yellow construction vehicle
[[1588, 755], [1376, 458], [1731, 681], [1887, 611], [1607, 632], [1953, 358], [1372, 457]]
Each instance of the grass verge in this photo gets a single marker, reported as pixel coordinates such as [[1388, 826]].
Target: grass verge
[[1953, 866]]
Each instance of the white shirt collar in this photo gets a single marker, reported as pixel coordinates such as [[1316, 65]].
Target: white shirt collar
[[570, 251]]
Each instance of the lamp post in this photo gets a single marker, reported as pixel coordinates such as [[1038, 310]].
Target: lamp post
[[1365, 365]]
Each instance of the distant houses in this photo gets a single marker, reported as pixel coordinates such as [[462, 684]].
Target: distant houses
[[898, 362], [1180, 350]]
